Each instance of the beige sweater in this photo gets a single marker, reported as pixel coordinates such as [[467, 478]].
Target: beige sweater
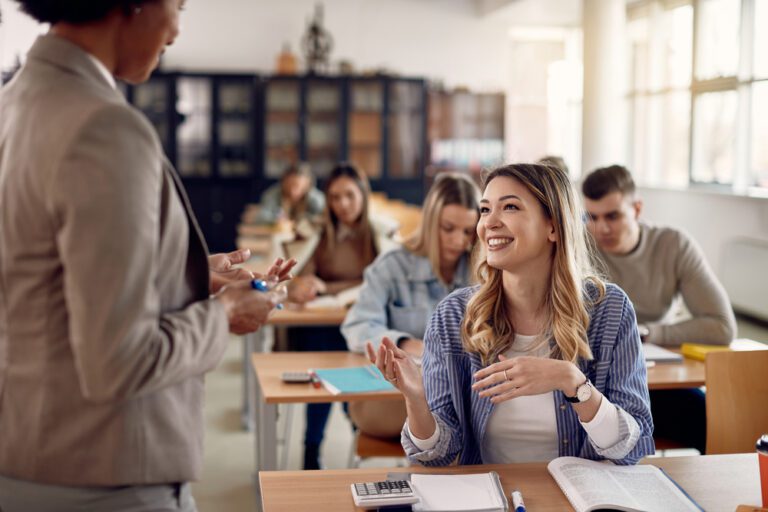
[[667, 264]]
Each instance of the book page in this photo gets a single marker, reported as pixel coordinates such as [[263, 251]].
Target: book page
[[593, 485]]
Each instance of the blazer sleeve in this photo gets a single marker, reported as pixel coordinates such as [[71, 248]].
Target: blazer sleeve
[[106, 201]]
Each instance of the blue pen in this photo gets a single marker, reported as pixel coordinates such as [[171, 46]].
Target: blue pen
[[517, 501], [262, 286]]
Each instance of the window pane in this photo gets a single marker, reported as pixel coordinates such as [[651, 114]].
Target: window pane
[[714, 135], [760, 134], [676, 139], [760, 48], [717, 47], [678, 45]]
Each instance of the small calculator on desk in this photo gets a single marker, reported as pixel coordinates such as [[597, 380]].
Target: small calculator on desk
[[383, 494]]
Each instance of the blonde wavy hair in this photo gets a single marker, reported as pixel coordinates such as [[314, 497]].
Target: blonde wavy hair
[[487, 328], [449, 188]]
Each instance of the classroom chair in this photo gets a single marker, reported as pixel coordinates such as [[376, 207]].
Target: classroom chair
[[365, 446], [737, 388]]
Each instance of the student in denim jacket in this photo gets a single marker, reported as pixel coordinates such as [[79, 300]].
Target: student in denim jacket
[[402, 287], [542, 359]]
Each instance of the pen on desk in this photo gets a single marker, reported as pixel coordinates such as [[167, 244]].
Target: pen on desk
[[314, 379], [262, 286], [517, 501]]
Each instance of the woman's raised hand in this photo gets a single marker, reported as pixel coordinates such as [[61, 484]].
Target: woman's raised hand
[[397, 367]]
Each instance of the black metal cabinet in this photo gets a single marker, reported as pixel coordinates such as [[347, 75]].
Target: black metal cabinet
[[230, 136]]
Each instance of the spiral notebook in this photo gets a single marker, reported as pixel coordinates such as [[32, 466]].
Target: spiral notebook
[[481, 492]]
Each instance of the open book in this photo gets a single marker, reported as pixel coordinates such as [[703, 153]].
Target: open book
[[591, 485], [343, 299], [480, 492]]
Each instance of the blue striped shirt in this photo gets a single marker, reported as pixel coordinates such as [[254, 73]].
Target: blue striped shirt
[[617, 370]]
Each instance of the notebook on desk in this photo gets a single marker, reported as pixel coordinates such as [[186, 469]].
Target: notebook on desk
[[356, 379], [657, 354], [481, 492]]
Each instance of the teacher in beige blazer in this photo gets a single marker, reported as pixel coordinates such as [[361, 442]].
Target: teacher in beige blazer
[[107, 322]]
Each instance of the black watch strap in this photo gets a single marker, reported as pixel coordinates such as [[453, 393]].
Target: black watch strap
[[575, 398]]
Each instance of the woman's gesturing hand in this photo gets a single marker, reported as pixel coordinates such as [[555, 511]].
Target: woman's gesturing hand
[[397, 367], [525, 376]]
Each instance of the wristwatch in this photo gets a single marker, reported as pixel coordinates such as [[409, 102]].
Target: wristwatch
[[583, 393]]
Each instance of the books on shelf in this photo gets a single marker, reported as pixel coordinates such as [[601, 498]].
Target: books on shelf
[[481, 492], [658, 354], [591, 485], [356, 379]]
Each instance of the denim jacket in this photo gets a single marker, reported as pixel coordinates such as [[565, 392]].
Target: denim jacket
[[617, 370], [399, 293]]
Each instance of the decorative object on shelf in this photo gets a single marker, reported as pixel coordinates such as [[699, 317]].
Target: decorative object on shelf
[[346, 67], [317, 43], [287, 63]]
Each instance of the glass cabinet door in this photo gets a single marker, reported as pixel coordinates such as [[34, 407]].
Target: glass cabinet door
[[406, 129], [323, 139], [234, 130], [153, 99], [193, 135], [364, 126], [283, 104]]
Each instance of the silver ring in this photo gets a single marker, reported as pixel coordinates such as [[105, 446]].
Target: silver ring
[[505, 374], [392, 380]]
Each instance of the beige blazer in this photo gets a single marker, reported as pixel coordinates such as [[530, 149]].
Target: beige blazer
[[106, 328]]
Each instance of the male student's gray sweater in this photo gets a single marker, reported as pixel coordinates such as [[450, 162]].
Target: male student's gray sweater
[[667, 263]]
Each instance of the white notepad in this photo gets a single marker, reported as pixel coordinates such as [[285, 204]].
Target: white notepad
[[459, 493], [658, 354]]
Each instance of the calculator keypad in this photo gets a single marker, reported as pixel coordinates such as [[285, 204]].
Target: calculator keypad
[[383, 488]]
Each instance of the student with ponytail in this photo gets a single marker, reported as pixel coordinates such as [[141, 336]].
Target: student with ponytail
[[542, 359]]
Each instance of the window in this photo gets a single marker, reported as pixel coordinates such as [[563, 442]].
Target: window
[[699, 95], [661, 49]]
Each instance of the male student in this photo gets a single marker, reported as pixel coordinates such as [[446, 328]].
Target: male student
[[656, 266]]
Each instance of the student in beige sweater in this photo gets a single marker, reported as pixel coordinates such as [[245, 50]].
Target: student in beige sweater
[[655, 266]]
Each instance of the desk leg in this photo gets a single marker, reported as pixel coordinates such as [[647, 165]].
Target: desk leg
[[266, 437], [259, 341]]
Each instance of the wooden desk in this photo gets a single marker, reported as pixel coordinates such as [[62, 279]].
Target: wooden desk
[[270, 390], [715, 482], [689, 373], [263, 339]]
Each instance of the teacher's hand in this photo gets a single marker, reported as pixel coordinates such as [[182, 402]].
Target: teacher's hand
[[248, 309]]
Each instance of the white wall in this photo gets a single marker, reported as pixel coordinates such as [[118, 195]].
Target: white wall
[[446, 40], [443, 39], [17, 33], [713, 220]]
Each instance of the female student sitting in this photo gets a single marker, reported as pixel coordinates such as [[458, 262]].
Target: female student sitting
[[402, 287], [542, 359], [331, 261], [293, 199]]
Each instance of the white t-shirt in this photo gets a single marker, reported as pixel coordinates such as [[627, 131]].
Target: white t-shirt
[[524, 429]]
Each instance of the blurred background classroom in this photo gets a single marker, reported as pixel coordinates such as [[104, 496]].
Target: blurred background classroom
[[675, 90]]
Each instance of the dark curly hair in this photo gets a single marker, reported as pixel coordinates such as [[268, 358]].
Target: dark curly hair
[[74, 11]]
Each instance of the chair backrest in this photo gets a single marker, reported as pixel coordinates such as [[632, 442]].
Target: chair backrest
[[737, 400]]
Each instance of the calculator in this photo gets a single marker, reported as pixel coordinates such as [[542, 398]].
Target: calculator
[[296, 377], [382, 494]]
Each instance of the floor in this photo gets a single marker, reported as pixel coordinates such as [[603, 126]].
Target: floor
[[226, 483]]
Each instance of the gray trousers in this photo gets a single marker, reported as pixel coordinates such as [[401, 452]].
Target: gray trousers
[[23, 496]]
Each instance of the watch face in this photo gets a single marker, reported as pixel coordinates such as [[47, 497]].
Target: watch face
[[584, 392]]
